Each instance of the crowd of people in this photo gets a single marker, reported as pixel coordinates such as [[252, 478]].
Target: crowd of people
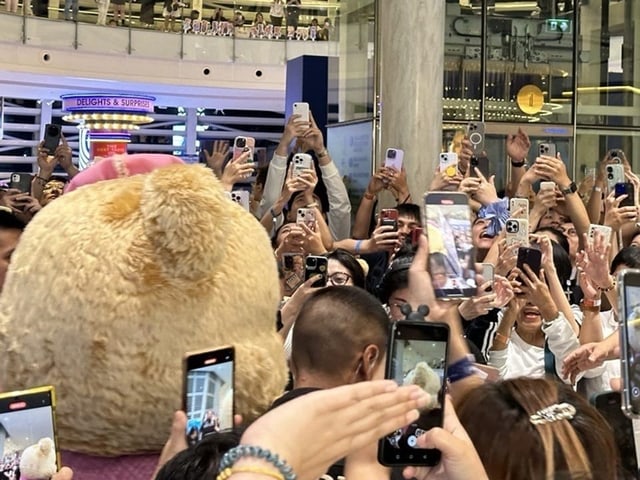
[[526, 352], [282, 18]]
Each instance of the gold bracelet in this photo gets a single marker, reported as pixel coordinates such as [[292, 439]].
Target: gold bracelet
[[323, 153], [228, 472]]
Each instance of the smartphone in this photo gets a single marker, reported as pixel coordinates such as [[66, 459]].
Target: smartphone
[[547, 185], [449, 163], [52, 135], [609, 404], [531, 257], [616, 156], [628, 189], [26, 417], [314, 265], [244, 144], [207, 395], [302, 109], [481, 162], [415, 235], [21, 181], [488, 275], [301, 162], [475, 134], [517, 232], [306, 216], [293, 270], [448, 223], [389, 217], [241, 197], [547, 149], [516, 204], [615, 174], [629, 314], [393, 158], [603, 229], [417, 354]]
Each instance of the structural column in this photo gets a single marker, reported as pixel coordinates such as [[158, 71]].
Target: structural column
[[410, 52]]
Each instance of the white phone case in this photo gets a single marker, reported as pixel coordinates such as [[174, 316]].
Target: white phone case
[[615, 174], [394, 158], [603, 229], [301, 162], [517, 232], [516, 204], [241, 197], [449, 163], [302, 109]]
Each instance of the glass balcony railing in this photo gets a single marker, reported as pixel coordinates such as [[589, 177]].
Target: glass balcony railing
[[252, 31]]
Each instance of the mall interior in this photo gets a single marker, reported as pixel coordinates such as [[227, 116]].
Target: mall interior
[[563, 70]]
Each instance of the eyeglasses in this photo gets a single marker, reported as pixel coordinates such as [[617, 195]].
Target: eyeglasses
[[339, 278]]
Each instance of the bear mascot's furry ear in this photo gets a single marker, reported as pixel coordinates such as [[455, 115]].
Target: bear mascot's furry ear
[[112, 283]]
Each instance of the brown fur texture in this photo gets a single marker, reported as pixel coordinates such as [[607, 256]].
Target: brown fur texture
[[111, 285]]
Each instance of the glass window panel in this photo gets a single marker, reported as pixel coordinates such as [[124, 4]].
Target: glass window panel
[[608, 83]]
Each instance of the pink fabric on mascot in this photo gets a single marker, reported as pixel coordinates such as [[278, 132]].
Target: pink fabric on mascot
[[121, 166]]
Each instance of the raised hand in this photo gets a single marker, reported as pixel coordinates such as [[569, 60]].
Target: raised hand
[[551, 168], [586, 357], [361, 413], [594, 259], [460, 460], [215, 159], [236, 170], [518, 145], [615, 216]]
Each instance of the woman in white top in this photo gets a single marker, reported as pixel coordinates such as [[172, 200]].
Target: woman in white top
[[539, 315], [308, 138], [276, 13]]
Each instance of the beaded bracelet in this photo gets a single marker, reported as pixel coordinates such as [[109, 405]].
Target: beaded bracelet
[[241, 451], [228, 472]]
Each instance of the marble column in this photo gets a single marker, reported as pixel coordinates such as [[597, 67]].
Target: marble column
[[410, 54]]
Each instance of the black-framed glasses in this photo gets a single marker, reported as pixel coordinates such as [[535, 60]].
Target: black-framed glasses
[[339, 278]]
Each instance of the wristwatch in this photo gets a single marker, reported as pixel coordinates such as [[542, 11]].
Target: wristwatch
[[572, 188]]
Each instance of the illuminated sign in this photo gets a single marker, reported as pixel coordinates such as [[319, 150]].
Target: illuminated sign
[[559, 25], [107, 103]]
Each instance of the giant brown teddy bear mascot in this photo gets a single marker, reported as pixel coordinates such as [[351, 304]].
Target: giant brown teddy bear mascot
[[112, 283]]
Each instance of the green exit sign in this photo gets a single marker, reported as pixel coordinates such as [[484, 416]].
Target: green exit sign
[[559, 25]]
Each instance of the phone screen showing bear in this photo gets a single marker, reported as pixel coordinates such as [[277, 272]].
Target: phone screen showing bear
[[26, 420], [418, 357], [209, 393]]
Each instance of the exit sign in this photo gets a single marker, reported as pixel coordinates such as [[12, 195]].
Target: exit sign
[[557, 25]]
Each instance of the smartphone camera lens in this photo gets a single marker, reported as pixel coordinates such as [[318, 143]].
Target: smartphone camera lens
[[241, 142], [391, 154], [53, 131], [635, 391], [311, 262]]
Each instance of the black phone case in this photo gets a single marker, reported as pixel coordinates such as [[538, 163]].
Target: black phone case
[[319, 268], [52, 136]]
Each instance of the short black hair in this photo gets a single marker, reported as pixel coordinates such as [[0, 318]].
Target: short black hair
[[628, 256], [395, 278], [349, 262], [335, 323], [409, 210], [8, 221], [202, 460]]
